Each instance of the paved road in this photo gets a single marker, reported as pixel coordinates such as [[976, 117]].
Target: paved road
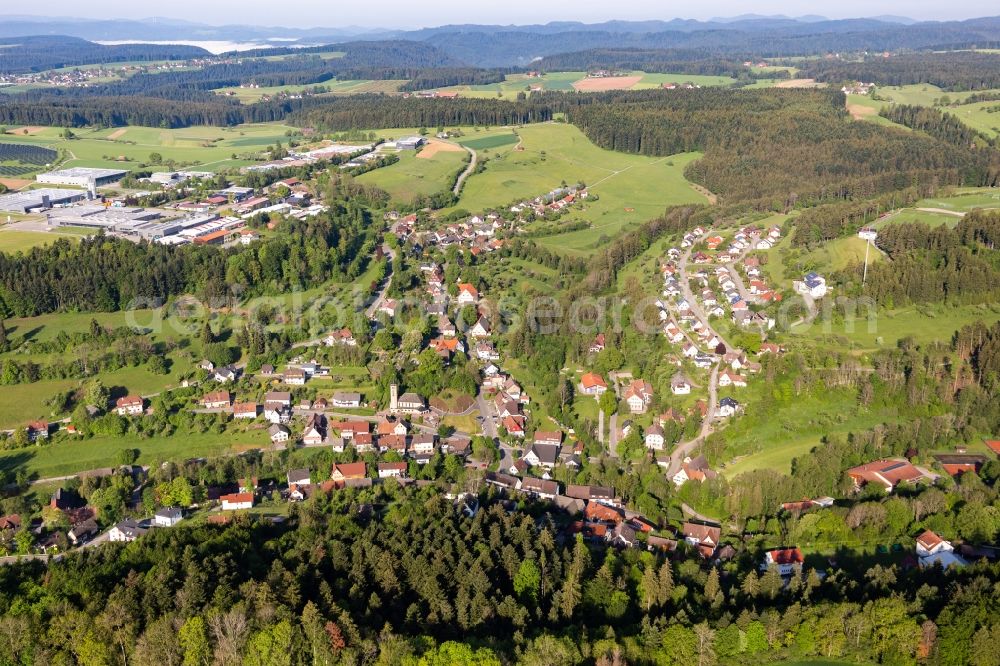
[[489, 415], [613, 436], [468, 170], [684, 449], [689, 296]]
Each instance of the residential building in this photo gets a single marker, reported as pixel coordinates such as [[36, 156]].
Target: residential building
[[130, 405], [391, 470], [125, 531], [703, 537], [245, 410], [422, 445], [933, 550], [540, 488], [654, 437], [638, 396], [237, 501], [788, 560], [467, 294], [298, 477], [680, 385], [168, 516], [342, 400], [216, 400], [593, 384], [348, 471], [295, 376], [279, 433], [542, 455]]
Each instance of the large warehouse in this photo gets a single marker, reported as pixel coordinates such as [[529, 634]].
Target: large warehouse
[[22, 202], [81, 176]]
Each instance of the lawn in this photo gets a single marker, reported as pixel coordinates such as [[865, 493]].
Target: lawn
[[840, 253], [68, 456], [412, 176], [202, 147], [21, 241], [965, 200], [631, 188]]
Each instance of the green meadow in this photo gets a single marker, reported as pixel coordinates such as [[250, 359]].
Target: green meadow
[[13, 241], [415, 176], [201, 147], [631, 188]]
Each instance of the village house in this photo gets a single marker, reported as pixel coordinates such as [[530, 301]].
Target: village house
[[542, 455], [342, 400], [729, 378], [957, 464], [410, 403], [593, 384], [168, 516], [341, 337], [216, 400], [422, 445], [812, 284], [388, 307], [391, 470], [932, 550], [788, 560], [126, 531], [315, 430], [130, 405], [364, 442], [446, 328], [351, 429], [540, 488], [597, 346], [654, 437], [226, 375], [295, 377], [245, 410], [638, 396], [513, 424], [467, 294], [597, 494], [705, 538], [485, 351], [278, 433], [83, 532], [237, 501], [481, 328], [887, 473], [347, 471], [693, 469], [728, 407], [679, 385]]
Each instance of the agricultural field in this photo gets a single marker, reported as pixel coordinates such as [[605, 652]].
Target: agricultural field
[[333, 87], [205, 148], [631, 188], [569, 81], [977, 116], [928, 217], [414, 176]]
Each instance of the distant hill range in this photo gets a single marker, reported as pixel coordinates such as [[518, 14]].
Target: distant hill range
[[511, 46]]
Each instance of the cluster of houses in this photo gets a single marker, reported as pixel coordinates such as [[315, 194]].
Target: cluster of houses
[[554, 201], [478, 233]]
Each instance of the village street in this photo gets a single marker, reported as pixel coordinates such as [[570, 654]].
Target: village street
[[685, 287], [684, 449]]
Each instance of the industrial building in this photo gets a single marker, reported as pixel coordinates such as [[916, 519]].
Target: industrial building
[[41, 199], [410, 143], [101, 217], [81, 176]]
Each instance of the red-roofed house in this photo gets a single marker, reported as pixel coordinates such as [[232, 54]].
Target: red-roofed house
[[593, 384], [346, 471], [237, 501], [786, 559], [130, 405], [888, 473]]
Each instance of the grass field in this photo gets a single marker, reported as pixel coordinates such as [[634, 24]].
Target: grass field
[[490, 142], [631, 188], [70, 456], [207, 148], [965, 200], [412, 177], [21, 241], [921, 216], [976, 116]]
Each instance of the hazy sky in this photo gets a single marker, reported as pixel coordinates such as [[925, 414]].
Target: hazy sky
[[407, 13]]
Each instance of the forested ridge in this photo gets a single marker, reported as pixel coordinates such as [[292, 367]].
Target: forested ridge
[[775, 148], [957, 71], [38, 53]]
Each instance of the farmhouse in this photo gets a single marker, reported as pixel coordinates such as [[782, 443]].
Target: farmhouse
[[887, 473]]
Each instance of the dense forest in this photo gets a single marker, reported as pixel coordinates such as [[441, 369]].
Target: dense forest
[[366, 111], [775, 148], [454, 76], [35, 54], [108, 274], [945, 126], [936, 264], [401, 577], [957, 71]]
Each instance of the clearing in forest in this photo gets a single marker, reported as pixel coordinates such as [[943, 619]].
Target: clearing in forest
[[607, 83]]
